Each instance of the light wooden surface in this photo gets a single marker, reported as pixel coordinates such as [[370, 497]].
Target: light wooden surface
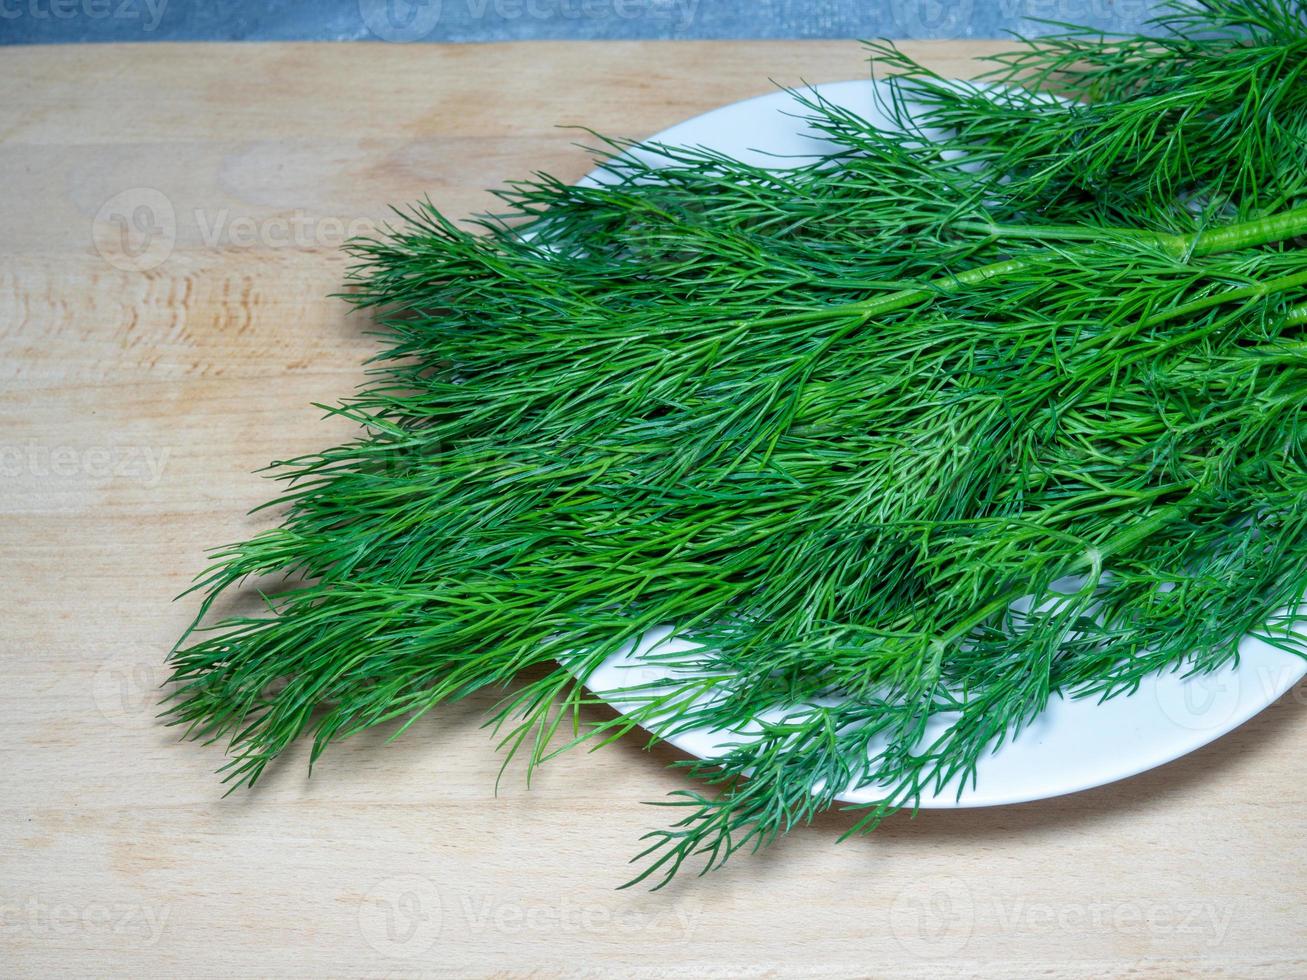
[[136, 402]]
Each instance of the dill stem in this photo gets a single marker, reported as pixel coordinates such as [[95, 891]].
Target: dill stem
[[1244, 234], [1251, 291], [1122, 541], [1064, 233], [1213, 241]]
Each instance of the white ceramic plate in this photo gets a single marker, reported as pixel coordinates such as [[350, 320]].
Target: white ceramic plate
[[1072, 745]]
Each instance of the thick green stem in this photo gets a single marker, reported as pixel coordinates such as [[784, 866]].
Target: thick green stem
[[1228, 238], [1245, 234], [1052, 233], [1231, 238], [1254, 290]]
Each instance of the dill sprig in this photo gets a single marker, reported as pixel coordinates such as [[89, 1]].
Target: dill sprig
[[919, 428]]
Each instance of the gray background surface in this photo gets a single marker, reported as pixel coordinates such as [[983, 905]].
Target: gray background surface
[[57, 21]]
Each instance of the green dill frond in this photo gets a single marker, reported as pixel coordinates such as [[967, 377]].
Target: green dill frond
[[913, 430]]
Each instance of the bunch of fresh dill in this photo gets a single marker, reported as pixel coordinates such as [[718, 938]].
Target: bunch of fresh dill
[[831, 421]]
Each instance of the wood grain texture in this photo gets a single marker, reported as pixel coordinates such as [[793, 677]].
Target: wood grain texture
[[136, 401]]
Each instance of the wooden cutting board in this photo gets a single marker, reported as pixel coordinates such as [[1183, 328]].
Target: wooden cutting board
[[171, 219]]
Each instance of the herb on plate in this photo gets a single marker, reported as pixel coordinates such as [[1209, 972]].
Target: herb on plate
[[932, 426]]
